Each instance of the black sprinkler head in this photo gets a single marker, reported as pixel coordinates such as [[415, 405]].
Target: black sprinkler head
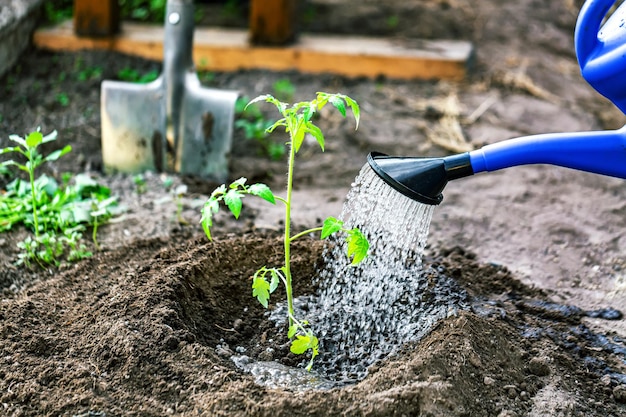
[[421, 179]]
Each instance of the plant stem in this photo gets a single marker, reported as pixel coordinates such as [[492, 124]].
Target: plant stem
[[94, 233], [306, 232], [31, 175], [287, 242]]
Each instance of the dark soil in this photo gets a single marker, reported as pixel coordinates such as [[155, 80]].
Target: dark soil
[[146, 327]]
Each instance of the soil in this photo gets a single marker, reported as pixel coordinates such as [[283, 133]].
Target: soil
[[146, 326]]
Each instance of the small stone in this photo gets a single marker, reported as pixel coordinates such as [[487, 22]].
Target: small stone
[[606, 380], [223, 350], [489, 380], [511, 391], [171, 342], [507, 413], [539, 366], [619, 392], [267, 355]]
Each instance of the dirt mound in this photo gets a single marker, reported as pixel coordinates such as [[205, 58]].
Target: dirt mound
[[149, 330]]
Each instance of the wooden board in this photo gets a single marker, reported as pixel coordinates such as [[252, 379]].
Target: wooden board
[[229, 50]]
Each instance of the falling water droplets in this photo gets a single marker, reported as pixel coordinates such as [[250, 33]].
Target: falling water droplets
[[367, 311]]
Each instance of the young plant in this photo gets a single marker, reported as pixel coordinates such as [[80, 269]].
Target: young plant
[[141, 186], [255, 127], [297, 122], [56, 213], [28, 148]]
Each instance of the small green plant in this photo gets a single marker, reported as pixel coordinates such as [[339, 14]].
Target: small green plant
[[178, 193], [143, 10], [254, 126], [392, 22], [57, 214], [57, 11], [284, 90], [133, 76], [141, 186], [88, 73], [63, 99], [297, 122], [27, 147]]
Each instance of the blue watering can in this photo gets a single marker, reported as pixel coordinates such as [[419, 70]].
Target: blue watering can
[[601, 53]]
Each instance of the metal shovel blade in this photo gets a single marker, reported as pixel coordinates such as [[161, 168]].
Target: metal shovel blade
[[133, 121], [206, 130], [173, 123]]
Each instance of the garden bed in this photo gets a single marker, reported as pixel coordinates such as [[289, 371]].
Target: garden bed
[[147, 326]]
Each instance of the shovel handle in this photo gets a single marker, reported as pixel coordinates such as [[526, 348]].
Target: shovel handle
[[177, 61]]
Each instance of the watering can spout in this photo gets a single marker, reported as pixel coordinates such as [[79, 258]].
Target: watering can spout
[[423, 179], [601, 49]]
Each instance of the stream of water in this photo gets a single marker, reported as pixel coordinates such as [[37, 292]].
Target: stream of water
[[368, 311]]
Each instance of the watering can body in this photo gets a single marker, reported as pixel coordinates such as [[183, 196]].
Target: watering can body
[[601, 49]]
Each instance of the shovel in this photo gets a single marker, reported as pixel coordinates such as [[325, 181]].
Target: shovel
[[173, 123]]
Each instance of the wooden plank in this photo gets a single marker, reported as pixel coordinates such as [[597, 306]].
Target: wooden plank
[[229, 50], [272, 22], [96, 17]]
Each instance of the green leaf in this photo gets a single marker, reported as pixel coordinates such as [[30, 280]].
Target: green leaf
[[49, 137], [275, 280], [281, 122], [263, 97], [9, 149], [338, 103], [261, 290], [298, 137], [263, 191], [314, 352], [233, 200], [302, 343], [270, 99], [355, 110], [218, 191], [210, 207], [322, 100], [331, 225], [317, 133], [18, 139], [310, 110], [292, 331], [238, 183], [58, 153], [357, 246], [34, 139]]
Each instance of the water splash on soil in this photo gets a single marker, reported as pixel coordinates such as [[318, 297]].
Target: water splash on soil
[[368, 311]]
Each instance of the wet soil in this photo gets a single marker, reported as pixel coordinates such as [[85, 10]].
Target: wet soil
[[147, 326]]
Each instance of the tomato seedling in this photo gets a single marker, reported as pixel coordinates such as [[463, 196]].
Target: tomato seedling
[[297, 121]]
